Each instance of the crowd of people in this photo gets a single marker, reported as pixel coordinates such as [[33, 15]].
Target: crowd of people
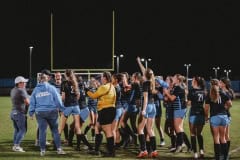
[[111, 100]]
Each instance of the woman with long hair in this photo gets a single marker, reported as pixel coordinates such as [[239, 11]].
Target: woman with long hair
[[196, 99], [225, 85], [218, 103]]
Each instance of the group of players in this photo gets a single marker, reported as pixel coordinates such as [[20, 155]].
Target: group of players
[[111, 100]]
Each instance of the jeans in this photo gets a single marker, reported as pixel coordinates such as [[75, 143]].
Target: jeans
[[45, 118], [20, 127]]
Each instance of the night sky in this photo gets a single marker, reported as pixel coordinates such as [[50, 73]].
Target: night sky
[[171, 33]]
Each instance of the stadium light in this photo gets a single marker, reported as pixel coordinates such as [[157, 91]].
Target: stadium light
[[216, 70], [30, 67], [227, 72], [117, 57], [146, 61]]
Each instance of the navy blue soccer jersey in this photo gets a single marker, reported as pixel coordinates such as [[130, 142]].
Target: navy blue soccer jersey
[[217, 108], [180, 101], [197, 98], [70, 96]]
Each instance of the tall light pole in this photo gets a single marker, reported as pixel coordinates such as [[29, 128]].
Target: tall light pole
[[146, 61], [227, 72], [117, 57], [30, 67], [187, 74], [216, 70]]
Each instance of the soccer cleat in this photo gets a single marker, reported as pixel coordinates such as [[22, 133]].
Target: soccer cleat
[[142, 154], [154, 154]]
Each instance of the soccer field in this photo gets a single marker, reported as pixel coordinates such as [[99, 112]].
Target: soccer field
[[32, 152]]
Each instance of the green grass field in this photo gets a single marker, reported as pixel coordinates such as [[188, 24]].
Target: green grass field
[[32, 152]]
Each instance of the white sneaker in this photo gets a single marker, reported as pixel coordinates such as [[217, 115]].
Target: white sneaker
[[36, 143], [48, 143], [162, 143], [195, 156], [18, 149], [61, 151], [42, 153], [201, 153], [179, 149], [85, 147]]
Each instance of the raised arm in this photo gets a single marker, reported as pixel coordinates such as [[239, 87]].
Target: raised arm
[[142, 68]]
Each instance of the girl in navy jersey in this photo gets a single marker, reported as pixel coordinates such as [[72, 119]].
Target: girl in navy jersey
[[177, 97], [218, 103], [196, 99], [148, 113], [70, 95], [225, 85]]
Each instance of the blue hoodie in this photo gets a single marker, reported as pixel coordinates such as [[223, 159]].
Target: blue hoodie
[[45, 97]]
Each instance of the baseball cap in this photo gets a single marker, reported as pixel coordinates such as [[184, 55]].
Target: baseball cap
[[46, 71], [19, 79]]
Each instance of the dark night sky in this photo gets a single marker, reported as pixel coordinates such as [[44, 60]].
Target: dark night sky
[[203, 33]]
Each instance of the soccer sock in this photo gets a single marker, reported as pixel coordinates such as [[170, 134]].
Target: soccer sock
[[200, 141], [86, 129], [228, 146], [186, 140], [153, 143], [98, 141], [70, 136], [173, 140], [148, 146], [224, 150], [85, 141], [110, 145], [93, 132], [78, 140], [179, 141], [142, 141], [217, 149], [193, 141], [66, 131]]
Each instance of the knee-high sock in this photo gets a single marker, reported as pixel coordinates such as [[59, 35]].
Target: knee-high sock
[[110, 145], [228, 145], [98, 141], [179, 139], [66, 131], [193, 142], [86, 129], [224, 150], [200, 141], [70, 136], [93, 132], [148, 146], [173, 140], [85, 141], [78, 140], [186, 140], [142, 141], [153, 143], [217, 150]]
